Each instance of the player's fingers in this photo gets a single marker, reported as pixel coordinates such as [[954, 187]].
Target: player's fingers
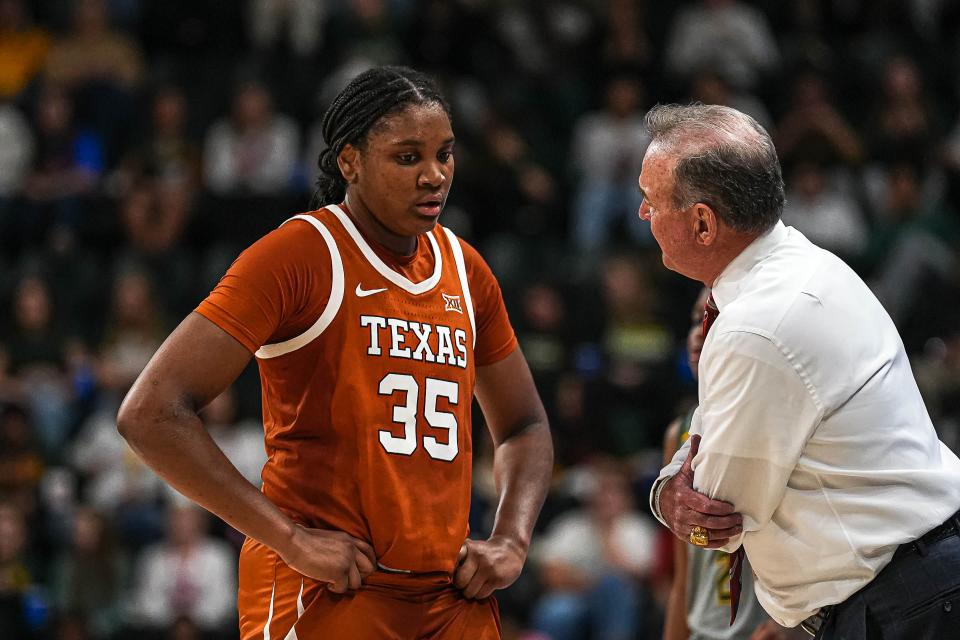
[[353, 578], [486, 590], [465, 572], [364, 547], [475, 585], [363, 564], [463, 552], [339, 585]]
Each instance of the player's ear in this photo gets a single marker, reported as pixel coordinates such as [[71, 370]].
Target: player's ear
[[705, 223], [349, 162]]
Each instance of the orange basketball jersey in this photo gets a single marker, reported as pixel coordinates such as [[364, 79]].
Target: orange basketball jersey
[[367, 411]]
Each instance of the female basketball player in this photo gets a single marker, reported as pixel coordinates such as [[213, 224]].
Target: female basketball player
[[373, 329]]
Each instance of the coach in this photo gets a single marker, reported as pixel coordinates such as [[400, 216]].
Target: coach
[[811, 425]]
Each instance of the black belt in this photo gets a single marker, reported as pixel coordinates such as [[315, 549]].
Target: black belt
[[949, 528]]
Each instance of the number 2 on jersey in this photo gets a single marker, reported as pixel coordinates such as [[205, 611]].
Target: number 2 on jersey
[[406, 414]]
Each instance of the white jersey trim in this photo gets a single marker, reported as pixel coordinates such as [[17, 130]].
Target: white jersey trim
[[378, 264], [464, 285], [266, 627], [333, 303], [292, 635]]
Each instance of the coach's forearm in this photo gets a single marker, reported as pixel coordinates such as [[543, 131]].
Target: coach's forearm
[[523, 467]]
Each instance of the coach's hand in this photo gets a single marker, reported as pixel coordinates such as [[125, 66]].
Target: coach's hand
[[333, 557], [484, 566], [683, 507]]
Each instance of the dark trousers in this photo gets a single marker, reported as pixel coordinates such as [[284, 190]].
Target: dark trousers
[[915, 597]]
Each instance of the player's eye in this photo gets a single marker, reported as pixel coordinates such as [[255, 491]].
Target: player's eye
[[407, 158], [444, 156]]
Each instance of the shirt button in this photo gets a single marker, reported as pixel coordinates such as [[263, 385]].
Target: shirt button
[[947, 606]]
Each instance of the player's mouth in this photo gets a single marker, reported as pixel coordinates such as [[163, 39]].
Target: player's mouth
[[430, 207]]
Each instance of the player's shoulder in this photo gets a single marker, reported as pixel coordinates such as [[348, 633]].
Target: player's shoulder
[[295, 241]]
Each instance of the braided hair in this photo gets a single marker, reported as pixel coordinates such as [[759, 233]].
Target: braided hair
[[370, 97]]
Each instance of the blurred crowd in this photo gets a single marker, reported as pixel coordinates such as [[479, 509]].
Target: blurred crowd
[[144, 144]]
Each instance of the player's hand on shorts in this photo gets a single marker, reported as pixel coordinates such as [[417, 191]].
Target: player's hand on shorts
[[683, 507], [484, 566], [333, 557]]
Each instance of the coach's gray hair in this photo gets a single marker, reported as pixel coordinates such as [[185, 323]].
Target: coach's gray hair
[[726, 161]]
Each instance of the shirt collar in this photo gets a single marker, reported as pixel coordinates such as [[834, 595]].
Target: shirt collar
[[727, 285]]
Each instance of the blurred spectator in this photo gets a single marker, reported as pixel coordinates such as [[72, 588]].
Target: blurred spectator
[[169, 154], [813, 130], [16, 152], [102, 68], [67, 167], [904, 125], [20, 606], [134, 332], [370, 30], [710, 87], [116, 482], [155, 214], [525, 197], [33, 364], [638, 347], [823, 212], [89, 577], [592, 562], [23, 49], [188, 574], [729, 34], [21, 462], [607, 152], [540, 330], [938, 376], [627, 43], [240, 441], [92, 53], [300, 22], [255, 151], [912, 238]]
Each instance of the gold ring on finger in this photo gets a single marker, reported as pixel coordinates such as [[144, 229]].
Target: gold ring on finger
[[699, 537]]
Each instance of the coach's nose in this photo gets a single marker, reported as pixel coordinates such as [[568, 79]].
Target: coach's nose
[[644, 211]]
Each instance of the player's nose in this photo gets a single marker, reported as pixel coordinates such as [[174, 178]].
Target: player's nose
[[432, 176]]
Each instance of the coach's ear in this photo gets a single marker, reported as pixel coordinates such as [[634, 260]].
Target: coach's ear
[[349, 162], [705, 224]]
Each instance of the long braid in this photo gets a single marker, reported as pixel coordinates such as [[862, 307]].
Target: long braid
[[357, 109]]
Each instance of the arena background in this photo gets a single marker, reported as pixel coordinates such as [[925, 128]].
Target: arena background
[[144, 143]]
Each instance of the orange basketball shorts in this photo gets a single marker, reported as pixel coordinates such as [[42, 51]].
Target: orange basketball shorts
[[277, 603]]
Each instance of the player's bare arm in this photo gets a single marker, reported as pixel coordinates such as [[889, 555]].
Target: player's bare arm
[[159, 420], [523, 462]]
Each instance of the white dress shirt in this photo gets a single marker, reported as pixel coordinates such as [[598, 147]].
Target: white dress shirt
[[813, 427]]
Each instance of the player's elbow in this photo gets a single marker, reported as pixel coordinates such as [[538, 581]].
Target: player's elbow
[[132, 416]]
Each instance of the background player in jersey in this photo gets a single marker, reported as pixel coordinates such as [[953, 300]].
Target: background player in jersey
[[699, 603], [373, 328]]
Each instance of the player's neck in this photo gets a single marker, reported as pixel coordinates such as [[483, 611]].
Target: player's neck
[[374, 230]]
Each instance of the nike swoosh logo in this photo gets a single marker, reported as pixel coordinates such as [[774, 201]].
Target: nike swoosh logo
[[363, 293]]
